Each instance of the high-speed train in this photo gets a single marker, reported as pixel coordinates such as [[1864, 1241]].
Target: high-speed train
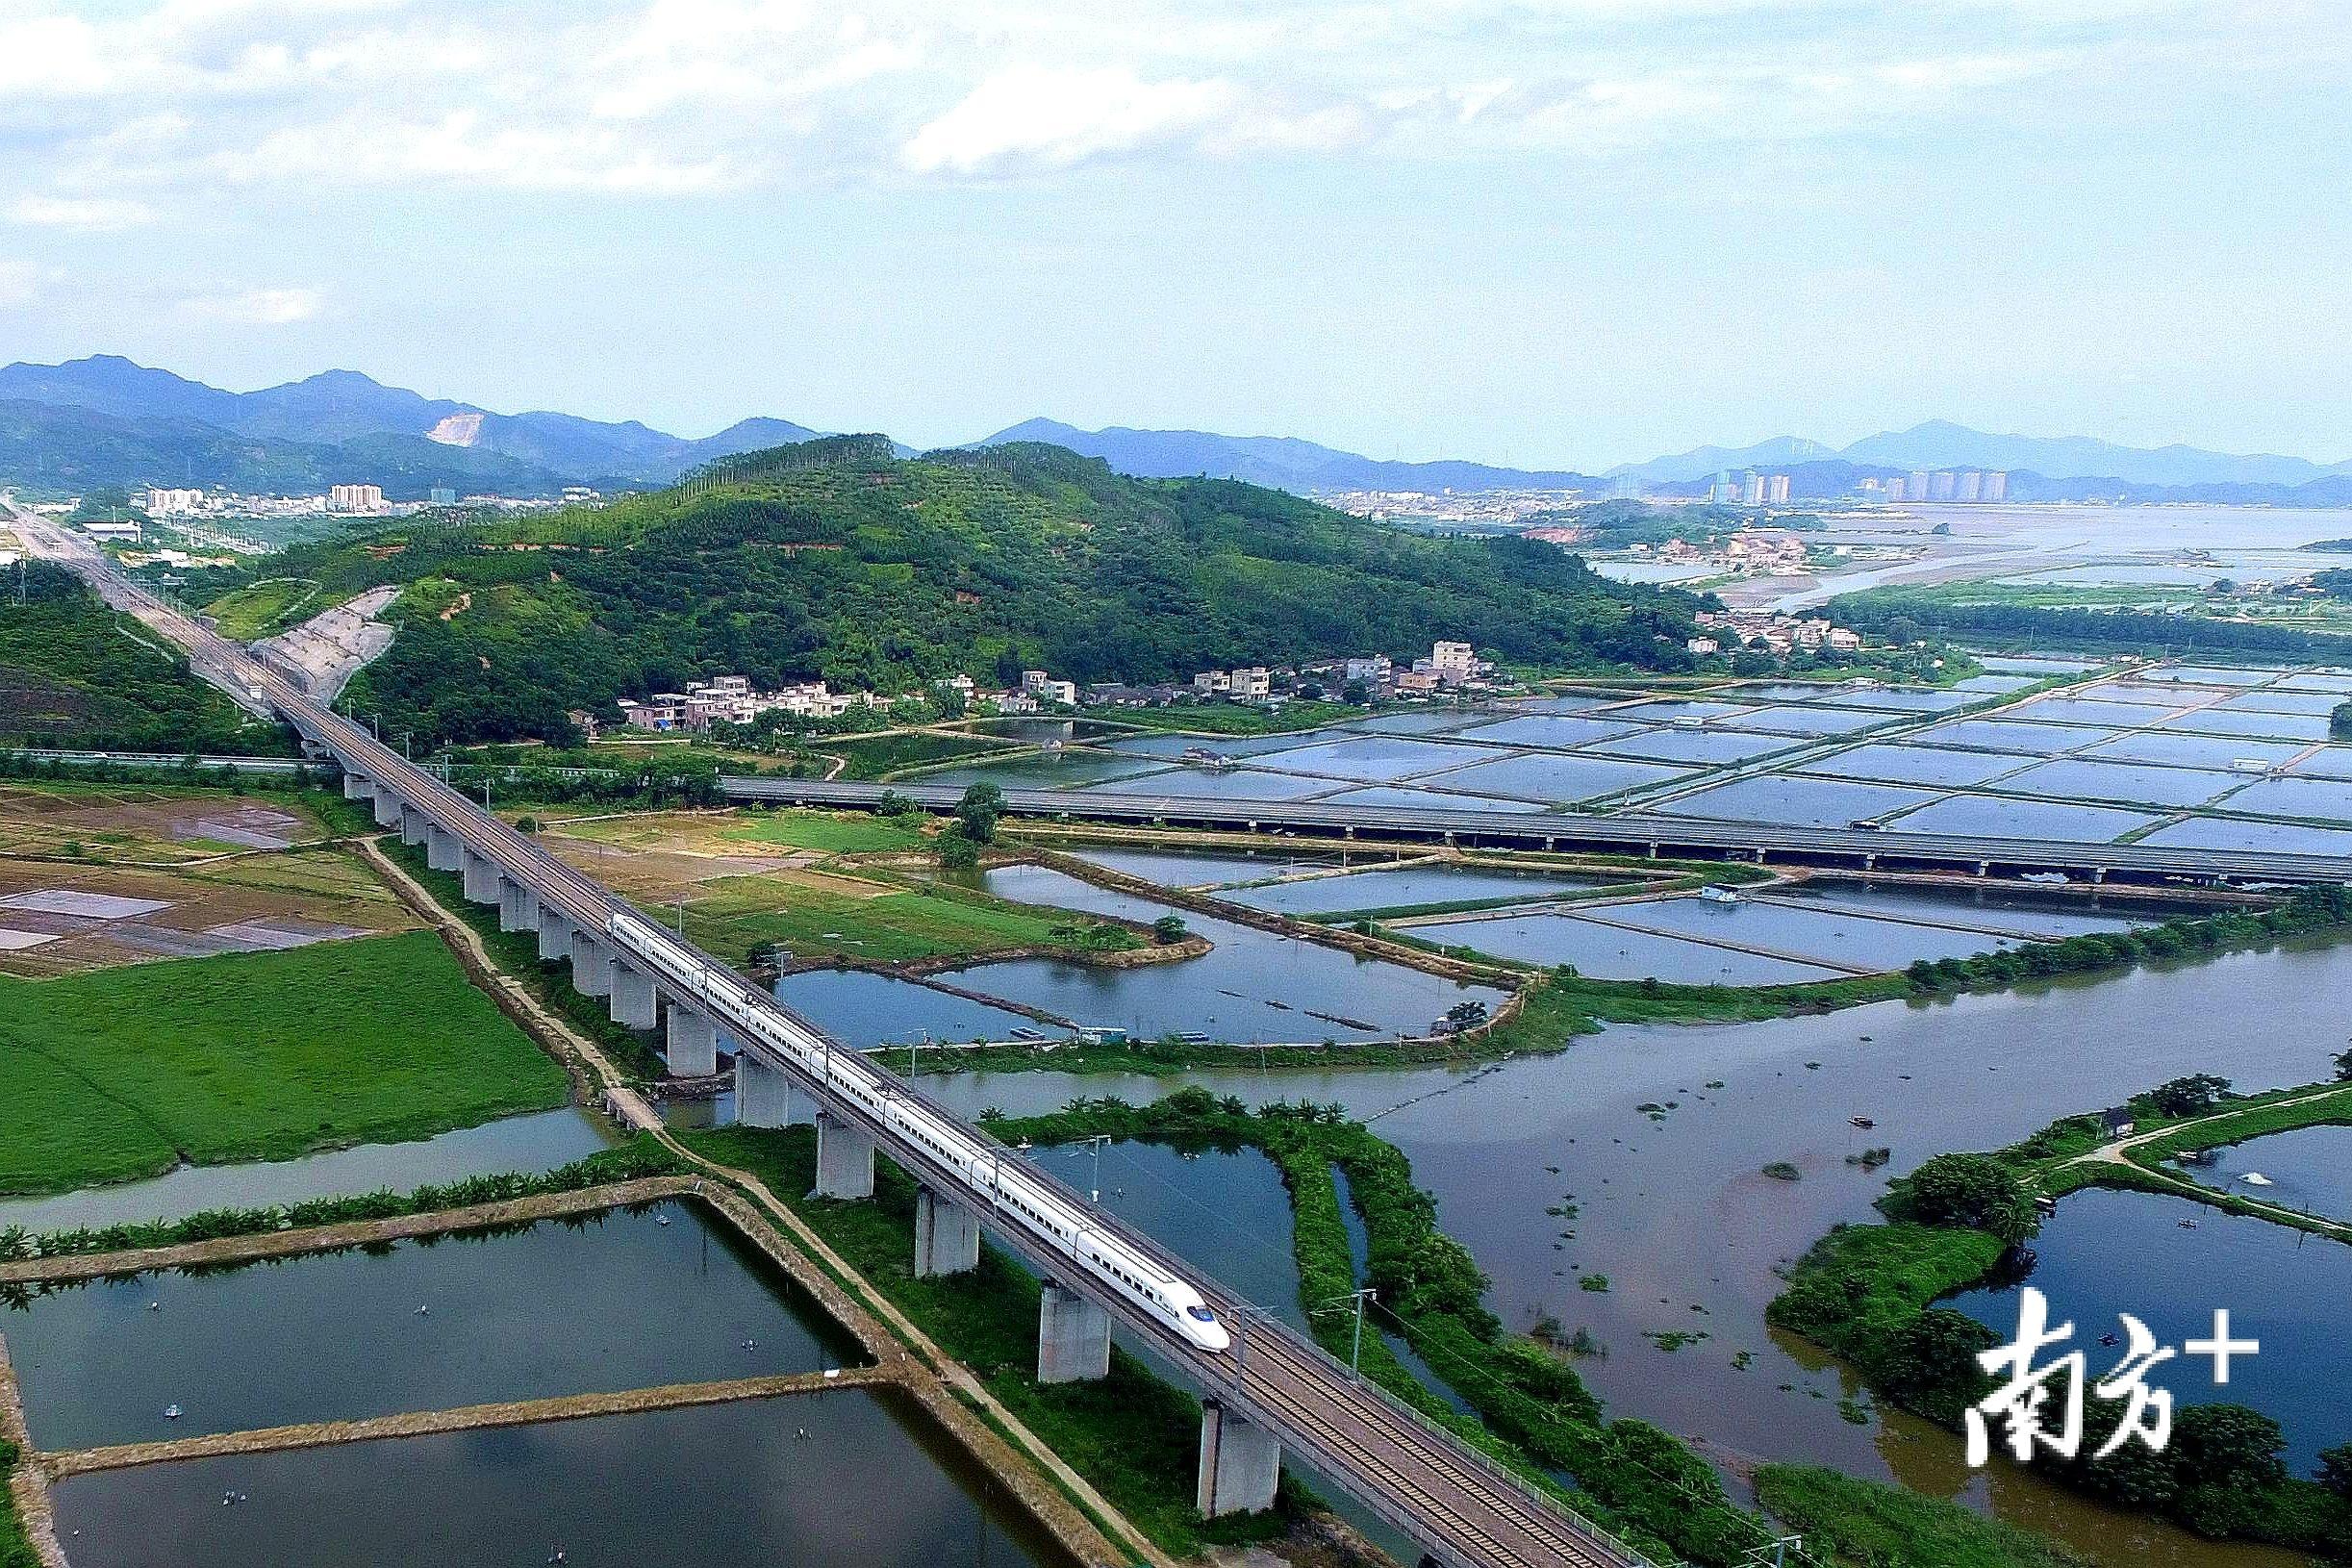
[[1020, 1198]]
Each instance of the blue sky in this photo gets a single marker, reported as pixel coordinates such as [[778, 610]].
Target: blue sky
[[1543, 232]]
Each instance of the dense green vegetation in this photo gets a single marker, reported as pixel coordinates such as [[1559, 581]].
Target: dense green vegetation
[[260, 608], [2309, 912], [1862, 1524], [516, 953], [1900, 613], [834, 560], [642, 1156], [15, 1552], [2339, 721], [124, 1073], [1867, 1292], [72, 671]]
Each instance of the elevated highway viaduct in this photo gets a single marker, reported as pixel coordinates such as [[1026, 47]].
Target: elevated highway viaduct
[[1271, 1391], [1656, 835]]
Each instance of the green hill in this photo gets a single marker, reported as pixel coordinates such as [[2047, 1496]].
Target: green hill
[[73, 672], [834, 558]]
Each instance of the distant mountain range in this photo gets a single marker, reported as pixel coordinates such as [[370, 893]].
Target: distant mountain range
[[2042, 468], [1281, 462], [106, 420], [1940, 444]]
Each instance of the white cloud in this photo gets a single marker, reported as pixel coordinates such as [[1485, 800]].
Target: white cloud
[[686, 98], [88, 214], [20, 285], [1060, 116], [256, 307]]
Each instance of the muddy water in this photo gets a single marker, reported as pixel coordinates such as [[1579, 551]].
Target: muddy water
[[1673, 1207]]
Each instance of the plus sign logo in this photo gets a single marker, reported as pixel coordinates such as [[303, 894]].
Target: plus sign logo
[[2038, 1403]]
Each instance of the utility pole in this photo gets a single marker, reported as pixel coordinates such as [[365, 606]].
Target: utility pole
[[1097, 1140], [1356, 1351]]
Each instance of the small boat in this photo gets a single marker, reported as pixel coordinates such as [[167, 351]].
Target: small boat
[[1860, 1122], [1715, 893], [2255, 1179], [661, 1219], [171, 1412]]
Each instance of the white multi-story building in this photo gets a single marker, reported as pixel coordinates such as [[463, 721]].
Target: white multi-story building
[[357, 499], [1213, 683], [1377, 670], [173, 503], [1453, 658], [1252, 684]]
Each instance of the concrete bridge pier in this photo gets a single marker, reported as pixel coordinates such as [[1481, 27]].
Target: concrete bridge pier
[[443, 849], [1241, 1463], [632, 1004], [693, 1042], [554, 934], [387, 809], [947, 1236], [518, 905], [1073, 1337], [845, 1158], [591, 965], [767, 1097], [357, 788], [481, 880]]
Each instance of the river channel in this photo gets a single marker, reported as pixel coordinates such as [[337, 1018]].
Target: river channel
[[1673, 1207]]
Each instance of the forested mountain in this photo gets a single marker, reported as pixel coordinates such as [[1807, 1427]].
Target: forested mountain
[[73, 672], [837, 560], [65, 448]]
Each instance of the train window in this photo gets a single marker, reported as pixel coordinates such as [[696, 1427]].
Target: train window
[[1201, 1314]]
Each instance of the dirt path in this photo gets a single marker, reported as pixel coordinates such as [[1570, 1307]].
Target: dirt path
[[635, 1111], [2115, 1152]]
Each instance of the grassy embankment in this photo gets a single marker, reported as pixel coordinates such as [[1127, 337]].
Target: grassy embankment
[[516, 953], [842, 919], [124, 1073], [259, 609], [1868, 1292], [1237, 719], [880, 756], [830, 832], [642, 1156], [15, 1552], [827, 912], [1866, 1523]]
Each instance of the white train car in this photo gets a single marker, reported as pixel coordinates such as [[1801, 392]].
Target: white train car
[[1019, 1196]]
